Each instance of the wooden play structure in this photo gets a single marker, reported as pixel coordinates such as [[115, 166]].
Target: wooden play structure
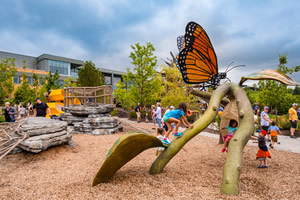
[[88, 95]]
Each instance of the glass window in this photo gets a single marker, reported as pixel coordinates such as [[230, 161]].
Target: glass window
[[17, 80], [108, 80], [30, 80], [62, 67]]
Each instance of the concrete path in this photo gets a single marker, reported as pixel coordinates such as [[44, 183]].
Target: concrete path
[[286, 143]]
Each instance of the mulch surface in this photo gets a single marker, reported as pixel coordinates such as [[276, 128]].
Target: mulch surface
[[194, 173]]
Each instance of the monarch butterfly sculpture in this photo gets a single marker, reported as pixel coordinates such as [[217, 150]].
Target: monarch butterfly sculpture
[[197, 59]]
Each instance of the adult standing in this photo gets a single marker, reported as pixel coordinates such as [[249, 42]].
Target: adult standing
[[293, 119], [41, 108], [10, 113], [265, 121], [158, 114], [153, 110], [138, 113]]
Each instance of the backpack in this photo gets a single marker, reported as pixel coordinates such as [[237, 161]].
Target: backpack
[[136, 109]]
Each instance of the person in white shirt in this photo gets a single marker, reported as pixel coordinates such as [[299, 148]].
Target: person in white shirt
[[158, 114]]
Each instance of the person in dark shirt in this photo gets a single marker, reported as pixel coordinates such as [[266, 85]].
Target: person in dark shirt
[[41, 108], [10, 113], [263, 152]]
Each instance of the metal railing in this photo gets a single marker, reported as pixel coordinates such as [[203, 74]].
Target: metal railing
[[88, 95]]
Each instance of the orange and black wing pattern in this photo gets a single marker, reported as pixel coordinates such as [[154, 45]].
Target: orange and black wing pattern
[[197, 60]]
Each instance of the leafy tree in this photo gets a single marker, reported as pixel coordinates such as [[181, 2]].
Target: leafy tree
[[52, 81], [277, 95], [89, 75], [143, 82], [7, 72], [69, 82], [24, 93], [36, 83], [123, 96], [175, 90], [296, 90]]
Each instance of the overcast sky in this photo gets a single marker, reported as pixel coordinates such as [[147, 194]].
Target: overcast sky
[[252, 32]]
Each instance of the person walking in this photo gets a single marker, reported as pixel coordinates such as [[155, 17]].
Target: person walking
[[293, 119], [41, 108], [265, 121], [158, 114], [138, 113], [10, 113]]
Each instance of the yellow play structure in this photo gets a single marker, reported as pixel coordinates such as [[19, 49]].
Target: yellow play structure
[[57, 102]]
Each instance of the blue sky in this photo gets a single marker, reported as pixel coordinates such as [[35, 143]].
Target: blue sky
[[252, 32]]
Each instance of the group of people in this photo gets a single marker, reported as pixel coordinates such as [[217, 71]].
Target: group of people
[[268, 128], [39, 109]]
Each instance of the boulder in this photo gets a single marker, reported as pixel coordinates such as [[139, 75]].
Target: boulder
[[40, 143], [43, 133], [87, 110], [41, 125]]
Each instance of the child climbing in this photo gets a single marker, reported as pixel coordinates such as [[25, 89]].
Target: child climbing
[[232, 128], [263, 152], [274, 130], [160, 135], [175, 116]]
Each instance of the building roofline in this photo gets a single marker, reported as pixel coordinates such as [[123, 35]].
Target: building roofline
[[16, 54], [59, 58]]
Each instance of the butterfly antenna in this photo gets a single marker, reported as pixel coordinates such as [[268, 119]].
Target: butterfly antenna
[[228, 66], [236, 67]]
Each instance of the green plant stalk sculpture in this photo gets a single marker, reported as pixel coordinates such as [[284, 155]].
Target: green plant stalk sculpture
[[233, 162], [211, 112]]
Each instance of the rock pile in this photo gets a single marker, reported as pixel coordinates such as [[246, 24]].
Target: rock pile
[[43, 133], [92, 120]]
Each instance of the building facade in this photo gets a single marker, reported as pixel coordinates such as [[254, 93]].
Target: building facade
[[45, 63]]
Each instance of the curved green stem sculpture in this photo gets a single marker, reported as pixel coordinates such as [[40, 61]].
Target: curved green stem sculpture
[[233, 164], [211, 112], [234, 158]]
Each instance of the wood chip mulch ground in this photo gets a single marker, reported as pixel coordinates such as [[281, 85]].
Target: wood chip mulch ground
[[194, 173]]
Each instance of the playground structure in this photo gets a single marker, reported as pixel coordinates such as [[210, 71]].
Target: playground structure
[[88, 95], [78, 95], [238, 107]]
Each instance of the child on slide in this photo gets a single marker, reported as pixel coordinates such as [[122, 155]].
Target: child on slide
[[232, 128], [160, 135], [175, 116]]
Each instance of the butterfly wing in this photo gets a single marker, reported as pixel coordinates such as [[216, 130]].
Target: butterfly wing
[[180, 42], [197, 60]]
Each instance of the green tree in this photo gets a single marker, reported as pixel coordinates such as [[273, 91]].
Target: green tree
[[24, 93], [69, 82], [175, 90], [7, 72], [90, 76], [52, 81], [296, 90], [277, 95], [36, 83], [123, 96], [143, 82]]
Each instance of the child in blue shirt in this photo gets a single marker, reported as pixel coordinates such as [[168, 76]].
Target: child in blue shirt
[[232, 128], [274, 130], [175, 116]]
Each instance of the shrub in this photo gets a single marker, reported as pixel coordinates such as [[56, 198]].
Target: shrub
[[114, 112], [132, 115]]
